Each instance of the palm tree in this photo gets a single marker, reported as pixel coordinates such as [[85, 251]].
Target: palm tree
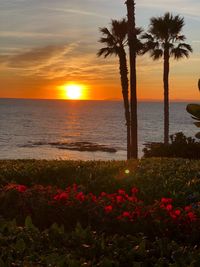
[[132, 42], [115, 40], [164, 39]]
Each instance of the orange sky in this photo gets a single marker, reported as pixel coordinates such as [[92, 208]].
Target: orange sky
[[46, 47]]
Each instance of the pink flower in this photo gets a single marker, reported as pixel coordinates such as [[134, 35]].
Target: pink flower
[[108, 208]]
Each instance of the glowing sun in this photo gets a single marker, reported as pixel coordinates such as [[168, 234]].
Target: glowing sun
[[74, 91]]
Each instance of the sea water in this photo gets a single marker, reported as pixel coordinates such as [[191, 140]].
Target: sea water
[[27, 127]]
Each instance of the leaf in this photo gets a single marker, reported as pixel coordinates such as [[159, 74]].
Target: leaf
[[57, 229], [20, 245], [198, 135], [194, 109], [137, 264], [197, 124], [106, 263], [2, 263], [29, 224]]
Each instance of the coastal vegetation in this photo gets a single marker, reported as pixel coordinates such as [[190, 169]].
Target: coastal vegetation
[[164, 39], [116, 213], [180, 146]]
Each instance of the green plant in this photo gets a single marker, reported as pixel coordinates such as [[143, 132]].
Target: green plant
[[194, 110], [179, 147]]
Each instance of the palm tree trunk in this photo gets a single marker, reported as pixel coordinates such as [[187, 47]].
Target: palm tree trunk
[[124, 83], [166, 96], [133, 93]]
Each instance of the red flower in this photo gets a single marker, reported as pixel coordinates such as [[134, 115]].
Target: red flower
[[134, 190], [108, 208], [21, 188], [121, 192], [103, 194], [61, 196], [165, 200], [169, 207], [93, 197], [133, 199], [191, 216], [80, 196], [126, 214], [119, 199], [187, 208], [177, 212]]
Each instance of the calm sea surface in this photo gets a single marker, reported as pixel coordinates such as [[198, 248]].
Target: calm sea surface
[[28, 126]]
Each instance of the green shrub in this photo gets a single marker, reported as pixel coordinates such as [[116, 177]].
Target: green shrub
[[180, 147], [154, 177], [26, 246]]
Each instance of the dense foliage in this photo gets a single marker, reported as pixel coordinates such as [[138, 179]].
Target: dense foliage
[[136, 213], [180, 147], [27, 246]]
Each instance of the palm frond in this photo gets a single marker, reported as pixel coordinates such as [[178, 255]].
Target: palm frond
[[106, 51], [182, 50], [156, 54]]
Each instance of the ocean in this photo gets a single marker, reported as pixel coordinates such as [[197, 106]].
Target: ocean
[[40, 129]]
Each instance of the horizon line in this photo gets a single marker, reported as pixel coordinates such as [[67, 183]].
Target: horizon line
[[108, 99]]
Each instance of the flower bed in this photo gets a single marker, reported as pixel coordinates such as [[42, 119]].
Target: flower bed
[[118, 212]]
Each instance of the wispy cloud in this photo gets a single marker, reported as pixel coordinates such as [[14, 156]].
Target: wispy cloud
[[181, 6], [72, 61], [78, 12], [19, 34]]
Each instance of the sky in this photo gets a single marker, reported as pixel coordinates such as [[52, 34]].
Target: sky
[[46, 44]]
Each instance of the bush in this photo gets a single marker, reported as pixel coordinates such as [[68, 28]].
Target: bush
[[27, 246], [154, 177], [180, 147]]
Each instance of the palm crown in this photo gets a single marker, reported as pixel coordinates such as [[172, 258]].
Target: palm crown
[[116, 38], [165, 33]]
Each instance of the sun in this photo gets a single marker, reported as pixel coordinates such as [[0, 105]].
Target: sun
[[73, 91]]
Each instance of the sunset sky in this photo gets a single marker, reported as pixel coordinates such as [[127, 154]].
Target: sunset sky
[[46, 44]]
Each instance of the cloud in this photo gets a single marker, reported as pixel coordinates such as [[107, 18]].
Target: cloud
[[181, 6], [79, 12], [73, 61], [20, 34]]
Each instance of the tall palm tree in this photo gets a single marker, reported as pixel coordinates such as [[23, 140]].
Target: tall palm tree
[[132, 42], [164, 40], [115, 40]]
